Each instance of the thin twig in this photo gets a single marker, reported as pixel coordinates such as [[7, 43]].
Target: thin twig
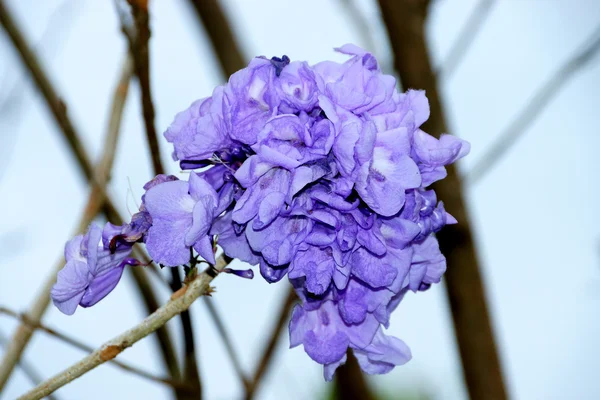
[[274, 337], [405, 24], [212, 17], [88, 349], [225, 337], [179, 302], [467, 35], [515, 130], [27, 368]]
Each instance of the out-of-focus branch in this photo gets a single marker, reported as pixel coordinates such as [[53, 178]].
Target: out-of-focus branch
[[534, 108], [269, 350], [212, 311], [27, 368], [405, 23], [88, 349], [56, 105], [213, 19], [467, 35], [179, 302]]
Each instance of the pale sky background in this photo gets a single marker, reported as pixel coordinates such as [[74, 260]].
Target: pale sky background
[[535, 214]]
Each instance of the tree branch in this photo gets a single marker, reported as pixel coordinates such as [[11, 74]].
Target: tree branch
[[179, 302], [274, 336], [405, 22], [88, 349], [507, 139], [213, 19]]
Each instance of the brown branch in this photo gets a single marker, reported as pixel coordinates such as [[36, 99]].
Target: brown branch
[[27, 368], [274, 336], [507, 139], [138, 39], [88, 349], [97, 199], [405, 22], [227, 341], [215, 23]]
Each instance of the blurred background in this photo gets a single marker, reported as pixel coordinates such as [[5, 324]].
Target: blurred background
[[519, 79]]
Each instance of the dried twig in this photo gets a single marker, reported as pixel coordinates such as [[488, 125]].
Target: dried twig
[[212, 311], [213, 19], [274, 336], [405, 22], [507, 139], [27, 368], [179, 302], [88, 349]]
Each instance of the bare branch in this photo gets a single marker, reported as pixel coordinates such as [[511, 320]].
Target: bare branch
[[467, 35], [515, 130], [88, 349], [274, 336], [213, 19], [27, 368], [179, 302], [212, 311], [405, 23]]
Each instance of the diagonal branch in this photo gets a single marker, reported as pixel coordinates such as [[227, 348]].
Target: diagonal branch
[[274, 337], [56, 105], [533, 109], [405, 23], [179, 302], [27, 368], [88, 349], [212, 17]]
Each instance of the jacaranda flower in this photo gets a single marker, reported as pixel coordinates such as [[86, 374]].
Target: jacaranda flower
[[320, 173]]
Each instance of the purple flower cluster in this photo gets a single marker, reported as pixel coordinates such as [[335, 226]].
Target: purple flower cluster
[[318, 172]]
